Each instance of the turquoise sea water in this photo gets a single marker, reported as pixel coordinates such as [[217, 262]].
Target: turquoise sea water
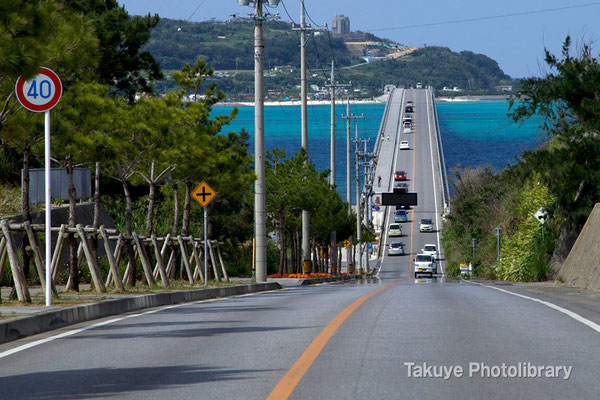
[[283, 129], [473, 133], [478, 133]]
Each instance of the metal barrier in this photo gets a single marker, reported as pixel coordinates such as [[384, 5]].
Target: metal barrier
[[441, 160]]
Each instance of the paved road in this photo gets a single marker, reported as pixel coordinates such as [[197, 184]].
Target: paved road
[[325, 341]]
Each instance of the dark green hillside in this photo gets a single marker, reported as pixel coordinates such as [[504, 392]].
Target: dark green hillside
[[229, 45], [439, 67]]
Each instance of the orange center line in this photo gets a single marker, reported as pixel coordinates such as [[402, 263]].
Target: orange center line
[[292, 378], [412, 218]]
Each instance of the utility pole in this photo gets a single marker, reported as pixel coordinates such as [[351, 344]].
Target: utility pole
[[349, 117], [366, 170], [305, 214], [358, 219], [333, 86], [260, 214]]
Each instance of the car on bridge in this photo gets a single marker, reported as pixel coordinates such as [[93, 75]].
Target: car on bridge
[[404, 145], [400, 176], [407, 127], [400, 187], [425, 264], [408, 109], [430, 249], [407, 117], [396, 249], [426, 225], [401, 216], [395, 230]]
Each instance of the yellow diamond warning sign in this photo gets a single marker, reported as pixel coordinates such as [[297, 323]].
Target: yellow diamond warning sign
[[203, 194]]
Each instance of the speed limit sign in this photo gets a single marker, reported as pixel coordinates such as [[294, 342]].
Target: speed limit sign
[[40, 93]]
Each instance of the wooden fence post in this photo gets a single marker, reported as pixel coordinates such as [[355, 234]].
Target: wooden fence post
[[212, 261], [15, 266], [221, 262], [91, 260], [145, 262], [114, 267], [37, 258], [160, 261], [2, 254], [162, 253], [60, 244], [198, 271], [186, 260]]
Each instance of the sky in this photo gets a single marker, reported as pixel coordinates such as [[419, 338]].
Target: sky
[[516, 40]]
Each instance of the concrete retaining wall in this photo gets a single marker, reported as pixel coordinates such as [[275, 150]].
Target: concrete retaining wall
[[17, 328], [582, 266]]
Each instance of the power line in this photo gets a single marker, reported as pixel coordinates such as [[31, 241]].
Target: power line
[[197, 8], [486, 18]]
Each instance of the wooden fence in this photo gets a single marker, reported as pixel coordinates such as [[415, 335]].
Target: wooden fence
[[156, 265]]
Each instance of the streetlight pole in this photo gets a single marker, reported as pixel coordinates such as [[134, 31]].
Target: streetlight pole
[[260, 215]]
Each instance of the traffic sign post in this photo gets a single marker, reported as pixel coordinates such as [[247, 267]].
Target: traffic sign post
[[204, 194], [40, 94], [541, 215]]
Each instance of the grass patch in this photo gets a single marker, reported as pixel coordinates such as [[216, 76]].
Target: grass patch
[[9, 316]]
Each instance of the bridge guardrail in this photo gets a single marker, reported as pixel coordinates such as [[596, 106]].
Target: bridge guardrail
[[441, 160]]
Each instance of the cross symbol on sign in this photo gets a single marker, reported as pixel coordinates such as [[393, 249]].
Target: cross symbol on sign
[[203, 194]]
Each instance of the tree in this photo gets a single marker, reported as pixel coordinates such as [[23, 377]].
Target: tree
[[84, 118], [122, 63], [36, 33], [568, 98]]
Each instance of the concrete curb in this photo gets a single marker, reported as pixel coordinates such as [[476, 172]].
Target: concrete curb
[[313, 281], [44, 321]]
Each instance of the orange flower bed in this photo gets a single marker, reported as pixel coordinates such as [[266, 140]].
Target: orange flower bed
[[301, 276]]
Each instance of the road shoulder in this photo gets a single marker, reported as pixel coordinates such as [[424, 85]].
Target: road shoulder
[[584, 302]]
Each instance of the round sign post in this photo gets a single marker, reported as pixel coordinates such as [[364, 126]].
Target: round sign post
[[40, 94]]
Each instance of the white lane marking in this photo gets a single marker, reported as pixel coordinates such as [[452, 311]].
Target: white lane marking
[[435, 202], [111, 321], [569, 313], [387, 211]]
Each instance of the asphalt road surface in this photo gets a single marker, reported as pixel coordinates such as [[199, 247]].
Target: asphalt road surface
[[394, 337]]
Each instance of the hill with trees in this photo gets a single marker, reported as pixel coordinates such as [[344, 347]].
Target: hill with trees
[[227, 46]]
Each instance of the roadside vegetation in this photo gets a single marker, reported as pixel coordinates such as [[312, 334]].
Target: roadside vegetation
[[563, 176], [147, 151]]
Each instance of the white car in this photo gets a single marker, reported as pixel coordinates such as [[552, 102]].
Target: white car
[[430, 249], [395, 230], [396, 249], [404, 145], [426, 225]]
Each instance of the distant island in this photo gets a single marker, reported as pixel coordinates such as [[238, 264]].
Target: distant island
[[364, 60]]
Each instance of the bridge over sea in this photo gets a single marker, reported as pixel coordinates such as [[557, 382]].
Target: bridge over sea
[[425, 173]]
